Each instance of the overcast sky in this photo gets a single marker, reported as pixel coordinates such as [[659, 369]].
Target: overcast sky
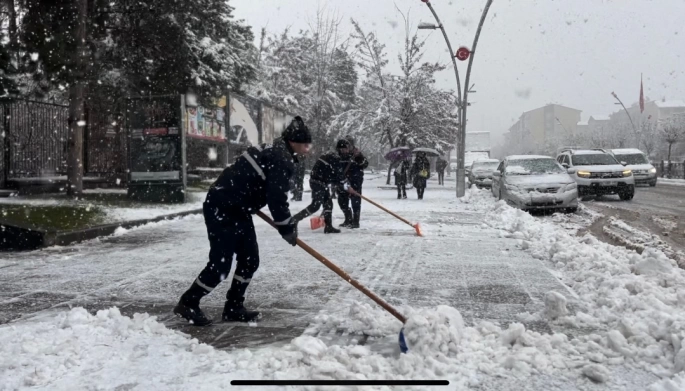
[[570, 52]]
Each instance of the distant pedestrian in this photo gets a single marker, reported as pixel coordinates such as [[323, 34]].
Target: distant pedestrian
[[401, 177], [440, 166], [421, 172]]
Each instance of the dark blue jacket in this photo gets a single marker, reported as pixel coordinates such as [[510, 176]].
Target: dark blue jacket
[[353, 167], [327, 170], [259, 177]]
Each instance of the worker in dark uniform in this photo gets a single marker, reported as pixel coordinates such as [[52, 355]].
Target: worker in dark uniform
[[353, 164], [258, 178], [326, 171], [298, 181]]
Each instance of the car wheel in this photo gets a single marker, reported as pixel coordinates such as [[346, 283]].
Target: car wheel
[[627, 196], [572, 210]]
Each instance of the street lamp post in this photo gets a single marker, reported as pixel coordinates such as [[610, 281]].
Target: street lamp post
[[461, 103], [626, 110]]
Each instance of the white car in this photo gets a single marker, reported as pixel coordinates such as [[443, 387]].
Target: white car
[[480, 173], [597, 173], [636, 160], [532, 182]]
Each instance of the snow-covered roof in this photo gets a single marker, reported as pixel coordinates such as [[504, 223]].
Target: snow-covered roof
[[527, 157], [582, 123], [625, 151], [669, 104], [479, 132], [600, 117], [486, 161]]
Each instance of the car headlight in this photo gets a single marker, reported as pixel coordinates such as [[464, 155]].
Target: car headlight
[[652, 170], [583, 174], [571, 186], [627, 172]]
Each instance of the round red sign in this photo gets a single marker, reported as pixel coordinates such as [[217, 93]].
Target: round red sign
[[463, 53]]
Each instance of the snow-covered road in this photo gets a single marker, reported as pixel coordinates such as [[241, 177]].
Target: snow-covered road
[[495, 265]]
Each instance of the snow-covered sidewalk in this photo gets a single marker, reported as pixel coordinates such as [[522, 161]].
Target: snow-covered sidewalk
[[497, 299]]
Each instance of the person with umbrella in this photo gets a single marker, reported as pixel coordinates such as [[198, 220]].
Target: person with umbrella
[[421, 172]]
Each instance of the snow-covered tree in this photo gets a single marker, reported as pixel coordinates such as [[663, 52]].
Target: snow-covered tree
[[673, 132], [311, 74]]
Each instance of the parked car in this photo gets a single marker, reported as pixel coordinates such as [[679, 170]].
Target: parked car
[[597, 172], [481, 171], [533, 182], [636, 160]]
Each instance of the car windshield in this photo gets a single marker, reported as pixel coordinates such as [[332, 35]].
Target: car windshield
[[595, 159], [533, 167], [485, 166], [633, 158]]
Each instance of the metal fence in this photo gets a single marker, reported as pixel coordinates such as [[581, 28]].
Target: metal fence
[[35, 136], [673, 170]]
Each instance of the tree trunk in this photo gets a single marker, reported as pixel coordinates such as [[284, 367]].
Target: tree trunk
[[390, 167], [14, 34], [670, 145], [76, 100]]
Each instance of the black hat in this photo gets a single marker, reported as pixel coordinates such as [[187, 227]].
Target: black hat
[[342, 143], [297, 132]]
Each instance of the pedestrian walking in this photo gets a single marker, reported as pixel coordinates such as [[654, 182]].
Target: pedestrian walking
[[353, 164], [401, 178], [326, 172], [421, 172], [440, 166], [259, 177]]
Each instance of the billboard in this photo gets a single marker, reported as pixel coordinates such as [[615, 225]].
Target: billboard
[[156, 142], [207, 123]]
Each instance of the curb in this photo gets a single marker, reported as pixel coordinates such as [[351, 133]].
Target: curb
[[21, 238]]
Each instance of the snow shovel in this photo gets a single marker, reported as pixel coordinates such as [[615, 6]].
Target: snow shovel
[[403, 342], [416, 226]]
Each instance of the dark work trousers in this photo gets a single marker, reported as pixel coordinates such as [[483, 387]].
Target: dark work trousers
[[441, 177], [321, 195], [402, 191], [230, 235], [344, 199]]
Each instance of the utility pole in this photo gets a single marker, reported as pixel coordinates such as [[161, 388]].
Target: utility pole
[[462, 104], [461, 192], [77, 121], [626, 110]]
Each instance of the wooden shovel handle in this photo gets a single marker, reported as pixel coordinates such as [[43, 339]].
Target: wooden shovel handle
[[341, 273], [354, 192]]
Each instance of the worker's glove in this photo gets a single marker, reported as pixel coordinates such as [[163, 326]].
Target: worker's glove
[[289, 232], [291, 238]]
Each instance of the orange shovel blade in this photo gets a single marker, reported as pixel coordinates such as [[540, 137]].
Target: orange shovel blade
[[316, 222]]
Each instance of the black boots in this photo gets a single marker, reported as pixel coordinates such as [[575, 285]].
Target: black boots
[[188, 307], [348, 219], [329, 229], [355, 221], [234, 311]]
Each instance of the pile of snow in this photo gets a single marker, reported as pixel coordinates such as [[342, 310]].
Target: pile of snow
[[634, 301], [57, 350]]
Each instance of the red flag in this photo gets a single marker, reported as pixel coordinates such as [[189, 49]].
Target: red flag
[[642, 97]]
